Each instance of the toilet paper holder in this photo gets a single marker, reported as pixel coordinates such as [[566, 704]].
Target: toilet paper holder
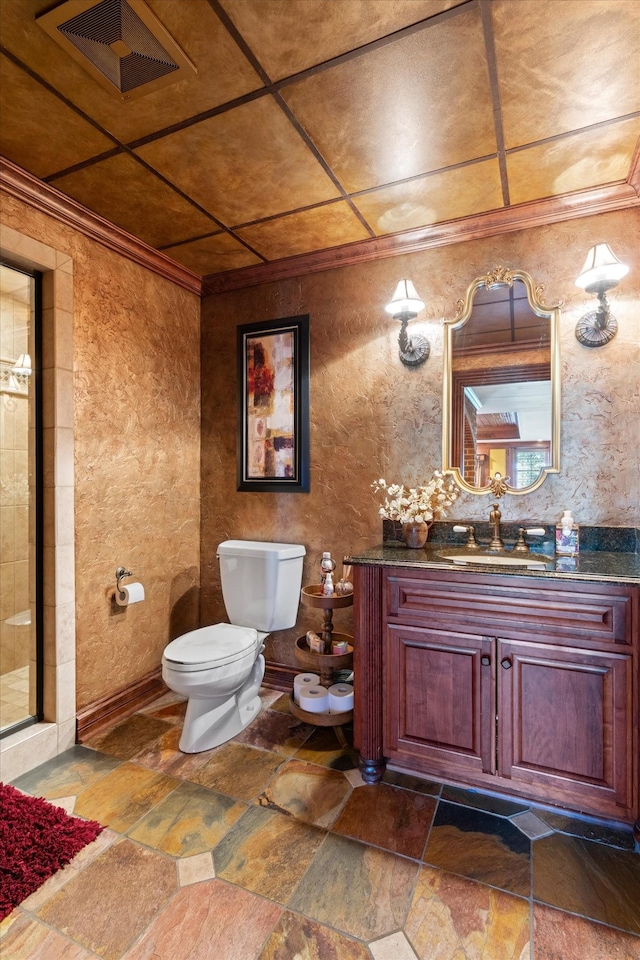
[[121, 573]]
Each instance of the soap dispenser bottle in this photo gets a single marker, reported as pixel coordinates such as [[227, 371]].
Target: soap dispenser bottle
[[567, 535]]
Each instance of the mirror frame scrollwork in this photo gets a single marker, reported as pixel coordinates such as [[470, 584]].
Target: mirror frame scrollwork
[[501, 276]]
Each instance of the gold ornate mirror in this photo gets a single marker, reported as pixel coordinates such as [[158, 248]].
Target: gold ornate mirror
[[501, 402]]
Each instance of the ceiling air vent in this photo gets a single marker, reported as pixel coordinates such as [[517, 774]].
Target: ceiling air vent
[[121, 43]]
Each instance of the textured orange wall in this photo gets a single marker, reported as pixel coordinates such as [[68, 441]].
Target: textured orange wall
[[137, 455], [372, 417]]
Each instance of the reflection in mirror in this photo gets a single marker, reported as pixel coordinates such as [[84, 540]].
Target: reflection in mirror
[[501, 386]]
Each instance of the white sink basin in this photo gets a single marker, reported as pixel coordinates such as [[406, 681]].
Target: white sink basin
[[529, 561]]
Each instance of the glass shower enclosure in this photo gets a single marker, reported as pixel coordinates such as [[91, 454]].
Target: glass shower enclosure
[[20, 501]]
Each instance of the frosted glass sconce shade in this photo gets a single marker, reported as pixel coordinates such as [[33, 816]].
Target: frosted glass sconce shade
[[601, 271], [405, 305], [405, 300], [601, 268], [23, 365]]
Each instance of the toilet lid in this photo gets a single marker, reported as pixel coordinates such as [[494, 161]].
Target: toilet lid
[[210, 646]]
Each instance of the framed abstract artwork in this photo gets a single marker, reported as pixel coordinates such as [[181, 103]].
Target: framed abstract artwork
[[273, 430]]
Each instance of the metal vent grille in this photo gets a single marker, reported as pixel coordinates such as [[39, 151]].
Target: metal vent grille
[[118, 41]]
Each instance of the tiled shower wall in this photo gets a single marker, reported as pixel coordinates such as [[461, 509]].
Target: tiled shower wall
[[24, 749]]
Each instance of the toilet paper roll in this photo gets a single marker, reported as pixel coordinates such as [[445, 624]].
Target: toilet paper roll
[[314, 699], [340, 697], [304, 680], [132, 593]]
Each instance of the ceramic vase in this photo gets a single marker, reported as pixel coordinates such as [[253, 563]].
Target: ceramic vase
[[415, 534]]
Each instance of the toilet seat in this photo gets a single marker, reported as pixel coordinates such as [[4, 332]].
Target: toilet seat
[[210, 647]]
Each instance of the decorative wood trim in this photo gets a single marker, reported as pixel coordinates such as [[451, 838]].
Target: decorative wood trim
[[634, 174], [368, 669], [119, 705], [522, 345], [536, 213], [17, 182], [124, 703], [22, 185]]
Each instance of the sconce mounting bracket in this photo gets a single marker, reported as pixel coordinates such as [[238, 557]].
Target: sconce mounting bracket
[[412, 350], [416, 351], [598, 327], [590, 334]]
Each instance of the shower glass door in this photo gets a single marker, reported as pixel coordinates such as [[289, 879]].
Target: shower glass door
[[20, 502]]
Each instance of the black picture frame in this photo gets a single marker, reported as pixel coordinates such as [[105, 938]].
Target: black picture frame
[[273, 406]]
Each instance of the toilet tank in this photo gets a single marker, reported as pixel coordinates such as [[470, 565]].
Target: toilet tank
[[261, 583]]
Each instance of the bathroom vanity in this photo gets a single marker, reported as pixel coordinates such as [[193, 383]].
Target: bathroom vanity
[[523, 682], [521, 679]]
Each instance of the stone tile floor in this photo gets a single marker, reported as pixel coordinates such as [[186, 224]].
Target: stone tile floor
[[272, 848]]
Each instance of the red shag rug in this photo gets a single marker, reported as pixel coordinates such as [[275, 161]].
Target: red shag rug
[[36, 839]]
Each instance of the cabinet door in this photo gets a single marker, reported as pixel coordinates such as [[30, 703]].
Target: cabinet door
[[564, 727], [440, 700]]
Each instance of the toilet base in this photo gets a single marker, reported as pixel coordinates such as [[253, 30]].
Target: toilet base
[[210, 722]]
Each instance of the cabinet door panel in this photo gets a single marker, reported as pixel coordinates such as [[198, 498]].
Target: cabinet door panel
[[564, 723], [440, 700]]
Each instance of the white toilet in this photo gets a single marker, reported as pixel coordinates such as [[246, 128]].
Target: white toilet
[[220, 668]]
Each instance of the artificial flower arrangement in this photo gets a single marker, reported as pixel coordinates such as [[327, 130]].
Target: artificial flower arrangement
[[417, 504]]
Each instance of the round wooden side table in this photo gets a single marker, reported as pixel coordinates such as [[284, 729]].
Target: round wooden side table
[[324, 664]]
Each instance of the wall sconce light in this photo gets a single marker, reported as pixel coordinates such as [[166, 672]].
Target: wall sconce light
[[405, 305], [22, 366], [602, 271]]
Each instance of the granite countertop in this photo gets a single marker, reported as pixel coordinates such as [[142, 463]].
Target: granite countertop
[[594, 565]]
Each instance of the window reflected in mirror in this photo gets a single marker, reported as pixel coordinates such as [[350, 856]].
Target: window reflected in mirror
[[501, 386]]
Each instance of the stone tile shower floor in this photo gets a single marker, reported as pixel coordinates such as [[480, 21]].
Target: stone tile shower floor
[[271, 848], [14, 696]]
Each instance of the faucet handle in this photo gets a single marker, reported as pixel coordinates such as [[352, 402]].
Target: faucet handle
[[472, 543], [521, 544]]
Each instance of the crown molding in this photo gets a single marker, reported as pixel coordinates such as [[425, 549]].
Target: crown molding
[[18, 183], [536, 213], [634, 175]]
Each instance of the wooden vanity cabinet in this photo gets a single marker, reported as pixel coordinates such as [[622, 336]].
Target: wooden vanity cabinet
[[512, 684], [439, 700], [565, 725]]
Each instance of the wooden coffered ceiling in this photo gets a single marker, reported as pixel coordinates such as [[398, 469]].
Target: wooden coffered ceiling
[[320, 131]]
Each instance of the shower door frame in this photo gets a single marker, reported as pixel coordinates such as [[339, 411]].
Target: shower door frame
[[37, 603]]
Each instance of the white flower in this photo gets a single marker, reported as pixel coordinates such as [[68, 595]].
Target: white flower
[[419, 503]]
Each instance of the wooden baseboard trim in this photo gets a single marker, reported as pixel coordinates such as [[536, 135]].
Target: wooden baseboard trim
[[124, 703], [119, 705], [279, 676]]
